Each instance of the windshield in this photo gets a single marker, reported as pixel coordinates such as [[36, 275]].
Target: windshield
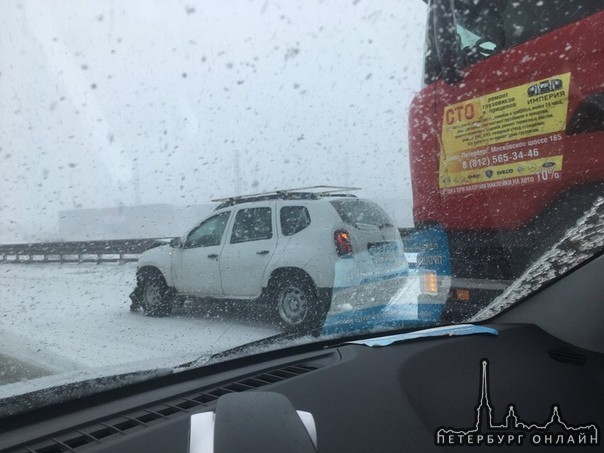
[[509, 23], [181, 179], [486, 27]]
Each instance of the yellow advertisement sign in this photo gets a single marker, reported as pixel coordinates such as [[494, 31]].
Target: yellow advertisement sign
[[473, 129]]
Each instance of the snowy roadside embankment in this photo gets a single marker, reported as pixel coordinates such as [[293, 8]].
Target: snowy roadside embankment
[[68, 317]]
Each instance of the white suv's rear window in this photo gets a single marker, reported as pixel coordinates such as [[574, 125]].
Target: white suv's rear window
[[361, 213], [294, 219]]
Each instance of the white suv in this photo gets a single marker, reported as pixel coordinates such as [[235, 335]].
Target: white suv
[[290, 249]]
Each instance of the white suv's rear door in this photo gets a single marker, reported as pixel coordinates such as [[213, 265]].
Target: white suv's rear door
[[249, 247], [196, 267], [376, 242]]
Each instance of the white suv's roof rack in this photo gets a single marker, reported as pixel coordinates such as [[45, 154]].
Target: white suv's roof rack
[[307, 193]]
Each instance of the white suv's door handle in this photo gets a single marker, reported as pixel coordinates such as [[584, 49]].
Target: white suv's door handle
[[213, 256], [262, 252]]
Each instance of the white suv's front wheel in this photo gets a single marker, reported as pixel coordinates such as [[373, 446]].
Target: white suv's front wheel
[[156, 300]]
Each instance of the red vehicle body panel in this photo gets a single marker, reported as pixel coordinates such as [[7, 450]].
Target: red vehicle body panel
[[576, 49]]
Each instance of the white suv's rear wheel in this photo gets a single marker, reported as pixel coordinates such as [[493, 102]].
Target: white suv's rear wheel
[[292, 304], [296, 305]]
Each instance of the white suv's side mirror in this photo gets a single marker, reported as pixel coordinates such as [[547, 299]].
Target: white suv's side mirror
[[176, 243]]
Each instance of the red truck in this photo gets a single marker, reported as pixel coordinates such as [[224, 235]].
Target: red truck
[[504, 136]]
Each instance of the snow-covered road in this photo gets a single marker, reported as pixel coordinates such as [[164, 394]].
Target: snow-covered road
[[67, 317], [75, 318]]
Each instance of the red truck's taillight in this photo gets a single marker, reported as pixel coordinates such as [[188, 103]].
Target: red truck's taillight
[[343, 245]]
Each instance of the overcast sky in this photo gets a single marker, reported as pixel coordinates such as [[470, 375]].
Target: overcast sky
[[127, 102]]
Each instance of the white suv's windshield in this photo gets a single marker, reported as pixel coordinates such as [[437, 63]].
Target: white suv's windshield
[[180, 179]]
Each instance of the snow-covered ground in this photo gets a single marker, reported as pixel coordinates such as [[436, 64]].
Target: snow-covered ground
[[67, 317], [70, 322]]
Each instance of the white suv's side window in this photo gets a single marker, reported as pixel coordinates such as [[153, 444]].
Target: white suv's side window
[[209, 233], [252, 224], [293, 219]]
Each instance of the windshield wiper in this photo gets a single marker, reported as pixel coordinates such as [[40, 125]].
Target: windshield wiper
[[288, 340], [444, 331]]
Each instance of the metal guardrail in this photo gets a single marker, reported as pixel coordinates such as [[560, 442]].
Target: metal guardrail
[[119, 250]]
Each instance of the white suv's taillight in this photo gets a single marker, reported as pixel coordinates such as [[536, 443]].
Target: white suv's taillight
[[343, 246]]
